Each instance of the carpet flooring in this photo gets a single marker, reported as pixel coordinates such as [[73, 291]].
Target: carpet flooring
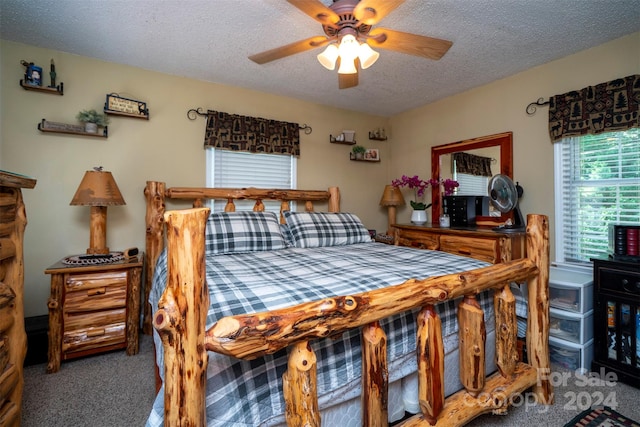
[[117, 390]]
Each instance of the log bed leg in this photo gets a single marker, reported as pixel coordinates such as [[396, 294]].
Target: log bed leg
[[300, 387], [506, 330], [181, 318], [472, 344], [154, 195], [430, 364], [538, 307], [375, 376]]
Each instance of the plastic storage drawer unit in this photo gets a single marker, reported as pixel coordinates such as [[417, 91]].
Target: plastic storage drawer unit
[[571, 356], [574, 327], [570, 290]]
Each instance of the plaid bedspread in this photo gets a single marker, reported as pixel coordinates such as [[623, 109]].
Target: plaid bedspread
[[249, 393]]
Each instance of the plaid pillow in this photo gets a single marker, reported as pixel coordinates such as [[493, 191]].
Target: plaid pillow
[[235, 232], [317, 229]]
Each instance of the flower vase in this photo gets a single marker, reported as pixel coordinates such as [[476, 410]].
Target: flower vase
[[419, 217]]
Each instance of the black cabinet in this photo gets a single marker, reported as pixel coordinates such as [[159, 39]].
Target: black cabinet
[[617, 319]]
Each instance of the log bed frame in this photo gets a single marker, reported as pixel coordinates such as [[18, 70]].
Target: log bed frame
[[181, 316]]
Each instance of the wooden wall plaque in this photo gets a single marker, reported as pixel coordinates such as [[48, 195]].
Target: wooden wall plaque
[[125, 107]]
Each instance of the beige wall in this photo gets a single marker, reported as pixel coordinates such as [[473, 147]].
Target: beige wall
[[500, 107], [168, 147]]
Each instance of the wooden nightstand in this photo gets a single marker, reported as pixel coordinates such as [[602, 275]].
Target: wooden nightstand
[[93, 309]]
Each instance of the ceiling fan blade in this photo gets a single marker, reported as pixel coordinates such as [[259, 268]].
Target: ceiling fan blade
[[412, 44], [345, 81], [290, 49], [370, 12], [318, 11]]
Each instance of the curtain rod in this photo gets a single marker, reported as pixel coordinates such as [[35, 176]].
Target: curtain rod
[[531, 108], [193, 114]]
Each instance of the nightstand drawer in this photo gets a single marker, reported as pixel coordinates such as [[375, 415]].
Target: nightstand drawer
[[94, 337], [98, 319], [89, 292], [482, 249]]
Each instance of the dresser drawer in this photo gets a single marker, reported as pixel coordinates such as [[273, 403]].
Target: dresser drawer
[[94, 337], [482, 249], [418, 239], [91, 292]]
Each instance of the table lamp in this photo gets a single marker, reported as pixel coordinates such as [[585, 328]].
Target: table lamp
[[391, 198], [98, 189]]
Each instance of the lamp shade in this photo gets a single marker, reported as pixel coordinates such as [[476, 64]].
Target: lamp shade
[[367, 56], [97, 188], [329, 56], [392, 196]]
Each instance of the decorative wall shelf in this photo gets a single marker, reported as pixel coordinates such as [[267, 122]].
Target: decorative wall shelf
[[58, 90], [333, 140], [55, 127], [373, 136], [119, 113], [353, 158]]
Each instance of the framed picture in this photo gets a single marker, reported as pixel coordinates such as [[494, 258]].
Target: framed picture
[[126, 107], [372, 155]]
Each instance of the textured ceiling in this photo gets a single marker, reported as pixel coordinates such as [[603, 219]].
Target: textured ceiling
[[210, 40]]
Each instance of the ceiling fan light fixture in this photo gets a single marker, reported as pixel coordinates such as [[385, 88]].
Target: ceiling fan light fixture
[[367, 56], [329, 57], [347, 66], [349, 47]]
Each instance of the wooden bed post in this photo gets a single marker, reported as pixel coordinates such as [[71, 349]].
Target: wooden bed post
[[334, 199], [154, 195], [538, 307], [181, 318]]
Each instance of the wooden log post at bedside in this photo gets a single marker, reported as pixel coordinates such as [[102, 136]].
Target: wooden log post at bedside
[[13, 338], [93, 309]]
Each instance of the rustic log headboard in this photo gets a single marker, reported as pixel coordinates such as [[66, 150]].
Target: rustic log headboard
[[156, 193]]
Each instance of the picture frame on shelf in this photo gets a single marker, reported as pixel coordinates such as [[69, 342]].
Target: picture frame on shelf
[[372, 155]]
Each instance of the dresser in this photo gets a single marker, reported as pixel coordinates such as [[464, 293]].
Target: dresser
[[13, 338], [476, 242], [93, 309]]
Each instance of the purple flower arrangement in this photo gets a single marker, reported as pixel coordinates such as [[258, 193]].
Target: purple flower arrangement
[[419, 186]]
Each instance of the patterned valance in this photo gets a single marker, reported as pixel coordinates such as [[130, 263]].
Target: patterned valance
[[610, 106], [252, 134], [472, 164]]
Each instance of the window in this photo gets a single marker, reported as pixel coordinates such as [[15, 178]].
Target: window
[[597, 184], [239, 169]]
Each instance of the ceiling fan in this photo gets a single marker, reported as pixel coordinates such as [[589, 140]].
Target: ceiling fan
[[349, 36]]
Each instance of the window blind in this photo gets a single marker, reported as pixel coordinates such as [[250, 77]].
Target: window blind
[[239, 169], [597, 184], [472, 185]]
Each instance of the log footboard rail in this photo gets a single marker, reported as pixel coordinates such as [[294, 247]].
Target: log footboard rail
[[181, 318]]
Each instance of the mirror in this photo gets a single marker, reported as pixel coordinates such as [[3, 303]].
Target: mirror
[[441, 155]]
